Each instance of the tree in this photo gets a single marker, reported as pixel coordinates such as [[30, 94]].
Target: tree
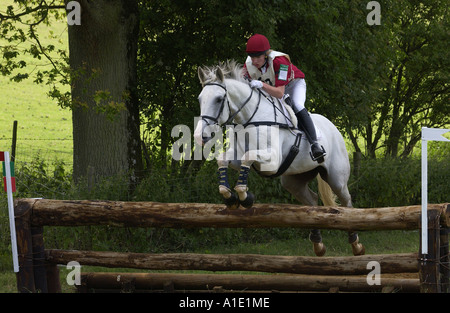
[[103, 55], [411, 87], [177, 36], [418, 75], [102, 76], [378, 83]]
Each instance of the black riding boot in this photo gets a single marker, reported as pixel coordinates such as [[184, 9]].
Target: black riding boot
[[306, 124]]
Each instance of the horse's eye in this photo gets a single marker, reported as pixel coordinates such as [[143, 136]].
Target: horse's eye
[[219, 100]]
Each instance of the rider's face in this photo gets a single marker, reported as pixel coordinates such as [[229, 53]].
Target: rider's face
[[258, 61]]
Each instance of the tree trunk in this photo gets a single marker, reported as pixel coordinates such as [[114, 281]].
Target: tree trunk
[[103, 52]]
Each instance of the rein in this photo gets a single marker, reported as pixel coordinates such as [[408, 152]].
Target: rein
[[232, 116]]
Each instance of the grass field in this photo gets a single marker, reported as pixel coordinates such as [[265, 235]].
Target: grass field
[[43, 127]]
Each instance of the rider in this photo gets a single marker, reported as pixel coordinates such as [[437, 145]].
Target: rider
[[274, 72]]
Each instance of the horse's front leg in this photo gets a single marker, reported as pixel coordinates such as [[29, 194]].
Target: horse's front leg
[[230, 199], [246, 198]]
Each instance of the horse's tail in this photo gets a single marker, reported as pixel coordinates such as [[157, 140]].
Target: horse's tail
[[326, 194]]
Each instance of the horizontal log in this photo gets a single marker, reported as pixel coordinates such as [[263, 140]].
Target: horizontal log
[[187, 215], [236, 282], [347, 265]]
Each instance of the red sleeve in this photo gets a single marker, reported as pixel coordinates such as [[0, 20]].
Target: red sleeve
[[283, 64]]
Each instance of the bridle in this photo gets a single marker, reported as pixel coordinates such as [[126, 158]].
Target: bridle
[[208, 118]]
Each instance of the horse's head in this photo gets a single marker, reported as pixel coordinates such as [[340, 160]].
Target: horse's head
[[214, 110]]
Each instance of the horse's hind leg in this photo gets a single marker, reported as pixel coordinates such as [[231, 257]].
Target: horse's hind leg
[[357, 247], [338, 184], [297, 185], [316, 238]]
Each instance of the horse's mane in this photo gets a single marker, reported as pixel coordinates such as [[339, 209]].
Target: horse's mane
[[230, 68], [234, 71]]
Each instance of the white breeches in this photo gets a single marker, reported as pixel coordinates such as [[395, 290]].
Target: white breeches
[[297, 91]]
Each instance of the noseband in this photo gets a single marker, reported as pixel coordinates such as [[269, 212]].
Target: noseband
[[207, 118]]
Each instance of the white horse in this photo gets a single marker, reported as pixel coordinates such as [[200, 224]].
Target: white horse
[[263, 138]]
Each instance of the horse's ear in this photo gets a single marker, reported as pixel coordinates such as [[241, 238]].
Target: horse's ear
[[219, 75], [201, 75]]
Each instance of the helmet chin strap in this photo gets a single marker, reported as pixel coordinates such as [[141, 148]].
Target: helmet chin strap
[[263, 67]]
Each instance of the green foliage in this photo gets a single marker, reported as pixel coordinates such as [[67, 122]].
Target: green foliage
[[397, 182], [30, 49], [176, 38], [380, 84], [38, 179]]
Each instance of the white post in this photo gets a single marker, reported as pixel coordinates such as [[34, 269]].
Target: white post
[[427, 134], [12, 224], [424, 215]]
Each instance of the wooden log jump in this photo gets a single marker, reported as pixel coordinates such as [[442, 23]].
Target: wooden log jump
[[33, 214], [234, 282], [188, 215], [352, 265]]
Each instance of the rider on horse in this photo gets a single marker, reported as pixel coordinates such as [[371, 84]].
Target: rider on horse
[[274, 72]]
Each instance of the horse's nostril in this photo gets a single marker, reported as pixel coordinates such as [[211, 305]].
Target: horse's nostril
[[206, 139]]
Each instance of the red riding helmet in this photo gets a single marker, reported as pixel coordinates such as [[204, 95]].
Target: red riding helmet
[[257, 45]]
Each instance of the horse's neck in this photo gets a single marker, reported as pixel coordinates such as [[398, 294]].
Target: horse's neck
[[239, 93]]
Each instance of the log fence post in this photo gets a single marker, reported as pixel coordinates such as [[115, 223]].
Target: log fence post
[[39, 267], [445, 260], [429, 272], [25, 276]]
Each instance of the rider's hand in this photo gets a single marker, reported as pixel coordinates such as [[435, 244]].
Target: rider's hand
[[256, 84]]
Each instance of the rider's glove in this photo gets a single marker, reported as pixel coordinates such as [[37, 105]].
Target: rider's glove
[[256, 84]]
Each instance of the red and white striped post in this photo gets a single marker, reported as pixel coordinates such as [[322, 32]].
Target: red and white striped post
[[10, 187]]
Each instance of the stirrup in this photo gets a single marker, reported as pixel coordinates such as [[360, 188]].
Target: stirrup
[[319, 158]]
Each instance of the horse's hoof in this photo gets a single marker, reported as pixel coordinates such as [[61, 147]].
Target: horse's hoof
[[319, 248], [358, 249], [232, 202], [248, 202]]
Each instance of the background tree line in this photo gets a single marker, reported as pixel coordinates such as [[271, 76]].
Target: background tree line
[[134, 63]]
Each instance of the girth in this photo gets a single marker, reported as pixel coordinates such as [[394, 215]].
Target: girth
[[295, 148]]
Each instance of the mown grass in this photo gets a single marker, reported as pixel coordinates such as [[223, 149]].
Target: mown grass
[[43, 127]]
